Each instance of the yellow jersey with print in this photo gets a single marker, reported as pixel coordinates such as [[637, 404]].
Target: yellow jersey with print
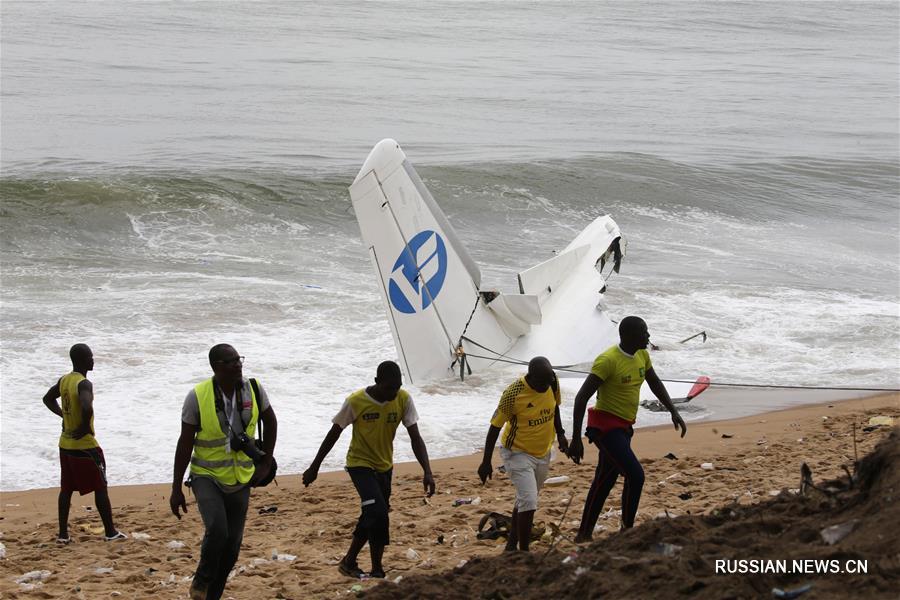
[[374, 426], [528, 418], [623, 375], [71, 409]]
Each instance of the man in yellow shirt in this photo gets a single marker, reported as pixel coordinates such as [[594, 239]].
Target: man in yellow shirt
[[616, 377], [81, 461], [529, 408], [375, 413]]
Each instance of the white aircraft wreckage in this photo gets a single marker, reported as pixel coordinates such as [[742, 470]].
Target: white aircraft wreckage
[[443, 322]]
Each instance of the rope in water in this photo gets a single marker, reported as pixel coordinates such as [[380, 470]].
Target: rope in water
[[569, 368]]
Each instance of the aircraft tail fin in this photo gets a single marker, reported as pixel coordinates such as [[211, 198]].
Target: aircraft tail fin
[[428, 281]]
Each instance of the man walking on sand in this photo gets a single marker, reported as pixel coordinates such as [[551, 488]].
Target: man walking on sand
[[375, 413], [529, 408], [616, 377], [81, 461], [218, 424]]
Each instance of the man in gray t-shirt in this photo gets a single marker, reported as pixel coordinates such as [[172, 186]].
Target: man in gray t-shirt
[[220, 473]]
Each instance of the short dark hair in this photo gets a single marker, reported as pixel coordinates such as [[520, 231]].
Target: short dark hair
[[630, 326], [388, 370], [216, 352], [79, 353]]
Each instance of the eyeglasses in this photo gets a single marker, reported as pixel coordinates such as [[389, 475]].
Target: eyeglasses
[[237, 360]]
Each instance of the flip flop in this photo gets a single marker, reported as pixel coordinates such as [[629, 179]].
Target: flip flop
[[116, 536], [63, 541]]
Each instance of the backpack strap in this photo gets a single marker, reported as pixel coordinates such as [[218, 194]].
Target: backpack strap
[[259, 424]]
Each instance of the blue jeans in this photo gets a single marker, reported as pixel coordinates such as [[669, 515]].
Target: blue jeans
[[616, 458], [223, 517]]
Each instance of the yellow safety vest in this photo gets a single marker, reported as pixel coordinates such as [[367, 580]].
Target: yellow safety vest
[[71, 409], [211, 457]]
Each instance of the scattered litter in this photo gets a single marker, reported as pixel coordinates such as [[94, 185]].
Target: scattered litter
[[685, 495], [33, 576], [558, 480], [501, 469], [761, 441], [461, 564], [268, 509], [103, 570], [580, 571], [666, 549], [727, 435], [2, 551], [150, 571], [789, 594], [824, 418], [140, 536], [258, 561], [876, 422], [412, 554], [774, 492], [356, 588], [670, 456], [398, 578], [8, 504], [832, 535], [440, 539], [569, 558], [707, 466], [476, 500], [611, 513], [461, 501], [115, 593], [283, 556], [175, 545]]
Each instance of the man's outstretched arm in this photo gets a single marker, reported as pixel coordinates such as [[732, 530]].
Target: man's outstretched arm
[[485, 469], [328, 443], [421, 452], [588, 388], [183, 450], [662, 394]]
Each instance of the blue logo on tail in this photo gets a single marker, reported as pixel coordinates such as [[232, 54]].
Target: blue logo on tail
[[424, 260]]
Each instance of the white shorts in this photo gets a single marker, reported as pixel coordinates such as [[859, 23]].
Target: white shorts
[[528, 474]]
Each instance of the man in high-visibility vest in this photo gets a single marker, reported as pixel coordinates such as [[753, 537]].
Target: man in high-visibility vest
[[218, 425], [81, 461]]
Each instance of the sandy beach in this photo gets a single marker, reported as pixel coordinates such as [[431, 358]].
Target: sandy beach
[[295, 535]]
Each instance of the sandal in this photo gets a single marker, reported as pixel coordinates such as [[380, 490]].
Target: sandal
[[116, 536], [64, 541], [350, 570]]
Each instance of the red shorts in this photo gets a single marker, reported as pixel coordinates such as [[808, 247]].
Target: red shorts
[[83, 471], [604, 421]]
